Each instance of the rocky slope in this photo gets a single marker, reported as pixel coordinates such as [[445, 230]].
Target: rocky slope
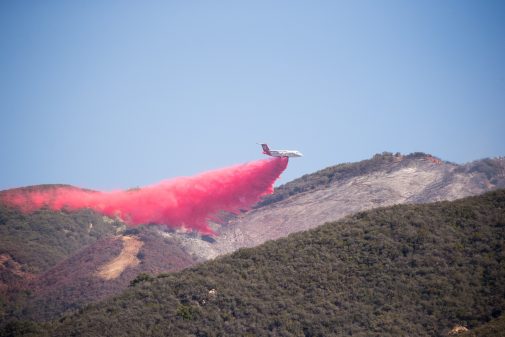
[[341, 190]]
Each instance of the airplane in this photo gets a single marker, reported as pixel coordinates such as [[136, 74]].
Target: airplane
[[280, 153]]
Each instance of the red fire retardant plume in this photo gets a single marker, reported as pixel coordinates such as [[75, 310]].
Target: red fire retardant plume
[[187, 202]]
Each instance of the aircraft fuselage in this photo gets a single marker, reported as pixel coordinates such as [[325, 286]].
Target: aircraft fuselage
[[280, 153], [284, 153]]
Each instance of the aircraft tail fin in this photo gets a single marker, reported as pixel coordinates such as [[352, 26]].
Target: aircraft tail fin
[[266, 150]]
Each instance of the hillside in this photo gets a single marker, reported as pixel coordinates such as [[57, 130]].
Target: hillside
[[414, 270], [40, 239], [34, 242], [488, 170], [102, 269], [51, 262], [344, 189]]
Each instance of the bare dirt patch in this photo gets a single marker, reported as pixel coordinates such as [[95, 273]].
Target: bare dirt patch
[[127, 258]]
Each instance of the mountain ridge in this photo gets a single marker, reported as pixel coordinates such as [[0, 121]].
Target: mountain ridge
[[340, 190]]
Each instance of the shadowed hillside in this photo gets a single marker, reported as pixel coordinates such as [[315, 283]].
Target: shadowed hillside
[[413, 270]]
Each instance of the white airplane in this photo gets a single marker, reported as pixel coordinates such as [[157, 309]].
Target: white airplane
[[280, 153]]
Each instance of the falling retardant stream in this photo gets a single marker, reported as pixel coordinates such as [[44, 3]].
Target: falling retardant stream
[[185, 202]]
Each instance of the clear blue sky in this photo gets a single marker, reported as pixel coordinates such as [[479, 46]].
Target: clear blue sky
[[115, 94]]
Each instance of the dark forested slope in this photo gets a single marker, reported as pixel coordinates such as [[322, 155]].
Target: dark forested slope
[[413, 270]]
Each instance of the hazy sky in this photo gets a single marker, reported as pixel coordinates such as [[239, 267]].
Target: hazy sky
[[116, 94]]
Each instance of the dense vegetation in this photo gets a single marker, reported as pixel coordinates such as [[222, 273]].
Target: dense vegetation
[[330, 174], [408, 270]]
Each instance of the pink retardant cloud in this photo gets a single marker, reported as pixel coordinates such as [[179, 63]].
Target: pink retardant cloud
[[187, 202]]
